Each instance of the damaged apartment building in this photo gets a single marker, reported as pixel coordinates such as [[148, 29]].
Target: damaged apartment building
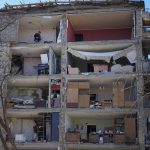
[[84, 84]]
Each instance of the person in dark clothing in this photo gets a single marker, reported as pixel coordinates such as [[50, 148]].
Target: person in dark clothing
[[37, 36]]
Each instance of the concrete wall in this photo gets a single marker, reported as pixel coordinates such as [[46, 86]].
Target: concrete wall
[[28, 66], [70, 32], [9, 26], [24, 93], [4, 63], [23, 126], [105, 34], [26, 35], [99, 34], [99, 122], [68, 122]]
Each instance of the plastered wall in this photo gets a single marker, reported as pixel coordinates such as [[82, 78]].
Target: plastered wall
[[28, 66], [9, 25], [22, 126], [26, 35], [99, 122], [24, 93]]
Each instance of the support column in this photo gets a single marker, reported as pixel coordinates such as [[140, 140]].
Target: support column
[[140, 90], [140, 82], [63, 80]]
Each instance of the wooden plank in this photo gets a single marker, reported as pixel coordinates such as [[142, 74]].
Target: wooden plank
[[84, 101], [120, 94], [130, 129], [115, 95], [72, 95]]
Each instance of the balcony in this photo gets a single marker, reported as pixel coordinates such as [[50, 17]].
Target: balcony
[[100, 131], [101, 59], [49, 26], [27, 98], [99, 26], [146, 32], [35, 60], [38, 129], [101, 94]]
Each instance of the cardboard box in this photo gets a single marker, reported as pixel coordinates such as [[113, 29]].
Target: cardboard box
[[107, 138], [99, 68], [130, 104], [84, 101], [73, 85], [83, 92], [72, 95], [93, 138], [118, 95], [96, 67], [9, 104], [72, 137], [107, 104], [119, 138], [130, 129], [84, 85], [73, 70], [72, 105], [103, 67], [83, 136]]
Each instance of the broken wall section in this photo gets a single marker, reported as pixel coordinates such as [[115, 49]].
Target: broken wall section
[[4, 65], [9, 27]]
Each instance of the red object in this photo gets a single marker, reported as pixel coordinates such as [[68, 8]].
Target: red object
[[99, 34], [55, 87], [70, 32]]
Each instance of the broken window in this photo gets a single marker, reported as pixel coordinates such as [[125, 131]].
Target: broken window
[[78, 37], [17, 65]]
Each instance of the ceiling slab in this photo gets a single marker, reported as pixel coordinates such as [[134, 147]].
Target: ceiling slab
[[34, 50], [105, 20], [100, 47], [38, 22]]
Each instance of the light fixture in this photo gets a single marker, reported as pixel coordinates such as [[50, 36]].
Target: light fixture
[[47, 17]]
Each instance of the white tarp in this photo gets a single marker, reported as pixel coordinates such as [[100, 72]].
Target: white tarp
[[119, 68], [129, 52], [52, 62], [60, 32], [132, 56], [44, 58]]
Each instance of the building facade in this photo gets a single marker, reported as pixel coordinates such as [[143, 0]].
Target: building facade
[[85, 83]]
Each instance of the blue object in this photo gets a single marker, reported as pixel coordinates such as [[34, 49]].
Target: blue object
[[41, 67], [55, 126]]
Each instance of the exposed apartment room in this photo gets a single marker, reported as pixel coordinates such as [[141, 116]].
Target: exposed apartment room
[[100, 26]]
